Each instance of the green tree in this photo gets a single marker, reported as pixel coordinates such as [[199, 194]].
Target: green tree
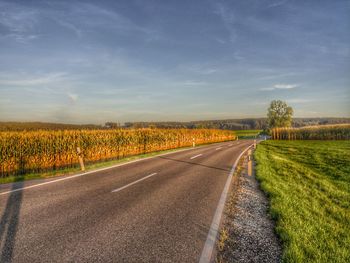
[[279, 114]]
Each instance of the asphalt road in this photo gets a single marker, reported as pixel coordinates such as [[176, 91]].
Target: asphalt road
[[154, 210]]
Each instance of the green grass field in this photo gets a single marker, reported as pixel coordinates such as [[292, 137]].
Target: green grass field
[[246, 134], [308, 184]]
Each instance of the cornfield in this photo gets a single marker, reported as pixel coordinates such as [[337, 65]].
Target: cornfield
[[320, 132], [40, 151]]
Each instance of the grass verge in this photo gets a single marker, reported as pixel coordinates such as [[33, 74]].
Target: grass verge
[[308, 184]]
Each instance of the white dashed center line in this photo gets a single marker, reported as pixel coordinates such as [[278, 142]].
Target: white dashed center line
[[135, 182], [193, 157]]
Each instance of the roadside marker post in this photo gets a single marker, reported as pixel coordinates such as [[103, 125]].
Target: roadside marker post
[[81, 162], [254, 144], [250, 163], [193, 143]]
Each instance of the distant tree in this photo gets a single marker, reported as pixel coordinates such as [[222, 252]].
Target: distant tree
[[279, 114], [112, 125]]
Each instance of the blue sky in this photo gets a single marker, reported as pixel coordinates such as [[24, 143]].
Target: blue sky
[[98, 61]]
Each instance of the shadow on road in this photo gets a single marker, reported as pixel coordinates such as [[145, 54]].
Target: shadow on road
[[9, 224], [211, 167]]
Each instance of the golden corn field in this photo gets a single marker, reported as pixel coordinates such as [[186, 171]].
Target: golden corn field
[[320, 132], [37, 151]]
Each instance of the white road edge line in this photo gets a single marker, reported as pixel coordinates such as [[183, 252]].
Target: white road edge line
[[98, 170], [230, 145], [193, 157], [207, 251], [218, 148], [135, 182]]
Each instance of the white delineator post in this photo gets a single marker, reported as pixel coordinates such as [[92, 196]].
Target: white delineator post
[[254, 144], [193, 143], [81, 162]]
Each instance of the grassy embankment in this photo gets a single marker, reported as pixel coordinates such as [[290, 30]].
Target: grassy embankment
[[308, 183]]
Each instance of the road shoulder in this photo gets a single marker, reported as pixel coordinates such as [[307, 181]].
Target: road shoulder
[[247, 232]]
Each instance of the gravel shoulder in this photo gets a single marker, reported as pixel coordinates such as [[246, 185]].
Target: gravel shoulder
[[247, 233]]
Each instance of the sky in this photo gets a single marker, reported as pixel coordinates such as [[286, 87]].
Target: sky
[[137, 60]]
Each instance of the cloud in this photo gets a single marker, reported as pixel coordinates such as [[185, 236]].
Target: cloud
[[194, 83], [281, 87], [17, 80], [199, 69], [19, 22], [285, 86], [84, 17], [228, 18], [70, 26], [73, 97], [277, 75], [277, 3], [221, 41], [22, 23]]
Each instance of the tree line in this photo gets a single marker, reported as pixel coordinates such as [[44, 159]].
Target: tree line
[[227, 124]]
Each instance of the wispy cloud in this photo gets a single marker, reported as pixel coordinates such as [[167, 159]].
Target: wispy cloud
[[70, 26], [19, 22], [281, 87], [72, 97], [193, 83], [228, 19], [22, 23], [220, 40], [20, 80], [285, 86], [199, 69], [277, 3], [277, 75], [90, 16]]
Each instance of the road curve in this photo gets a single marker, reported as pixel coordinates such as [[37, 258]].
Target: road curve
[[154, 210]]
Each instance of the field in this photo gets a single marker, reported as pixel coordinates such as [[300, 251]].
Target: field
[[41, 151], [319, 132], [308, 183], [245, 134]]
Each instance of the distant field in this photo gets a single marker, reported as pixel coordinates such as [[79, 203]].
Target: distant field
[[34, 126], [247, 133], [308, 183], [318, 132]]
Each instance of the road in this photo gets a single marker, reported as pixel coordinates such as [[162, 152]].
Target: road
[[154, 210]]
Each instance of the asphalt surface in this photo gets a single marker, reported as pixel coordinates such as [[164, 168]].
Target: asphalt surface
[[164, 217]]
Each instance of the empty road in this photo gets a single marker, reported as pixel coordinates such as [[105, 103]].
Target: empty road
[[154, 210]]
